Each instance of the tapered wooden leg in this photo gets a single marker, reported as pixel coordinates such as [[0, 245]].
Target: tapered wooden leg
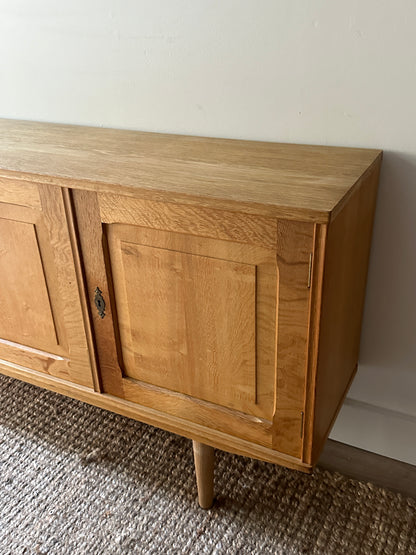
[[204, 469]]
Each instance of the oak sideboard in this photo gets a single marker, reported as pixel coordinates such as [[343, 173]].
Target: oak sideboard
[[210, 287]]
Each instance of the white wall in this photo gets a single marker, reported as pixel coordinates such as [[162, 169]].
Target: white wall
[[328, 72]]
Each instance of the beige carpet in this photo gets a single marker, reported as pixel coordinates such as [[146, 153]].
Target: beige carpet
[[78, 480]]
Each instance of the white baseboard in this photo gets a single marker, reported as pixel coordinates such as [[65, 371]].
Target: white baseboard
[[376, 429]]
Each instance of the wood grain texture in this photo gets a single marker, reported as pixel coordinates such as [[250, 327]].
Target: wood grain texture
[[44, 327], [26, 315], [221, 294], [12, 191], [294, 247], [282, 180], [63, 288], [191, 323], [82, 288], [233, 274], [204, 457], [161, 286], [344, 280], [198, 411], [318, 259], [202, 222], [94, 253], [223, 389], [199, 432]]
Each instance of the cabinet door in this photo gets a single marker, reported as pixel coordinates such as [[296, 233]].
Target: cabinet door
[[185, 306], [41, 324]]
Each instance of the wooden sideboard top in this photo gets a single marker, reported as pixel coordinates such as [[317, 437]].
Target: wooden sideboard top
[[282, 180]]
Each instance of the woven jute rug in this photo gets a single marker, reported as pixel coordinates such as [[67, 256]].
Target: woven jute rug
[[79, 480]]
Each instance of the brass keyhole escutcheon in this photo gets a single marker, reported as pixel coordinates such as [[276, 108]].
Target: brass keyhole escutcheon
[[99, 302]]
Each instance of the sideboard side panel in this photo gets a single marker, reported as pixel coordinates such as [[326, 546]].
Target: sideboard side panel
[[345, 274]]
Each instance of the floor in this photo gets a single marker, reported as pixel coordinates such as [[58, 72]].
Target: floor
[[75, 479]]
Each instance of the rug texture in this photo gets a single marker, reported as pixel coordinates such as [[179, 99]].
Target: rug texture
[[75, 479]]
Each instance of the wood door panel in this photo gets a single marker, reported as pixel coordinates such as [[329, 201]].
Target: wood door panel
[[267, 285], [41, 325], [26, 315], [188, 323], [152, 344], [213, 304]]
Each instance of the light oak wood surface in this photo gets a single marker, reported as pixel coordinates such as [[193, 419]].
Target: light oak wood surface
[[13, 191], [41, 323], [287, 181], [294, 256], [211, 287], [343, 291], [195, 314], [199, 432], [192, 220], [164, 355], [26, 314], [94, 268], [187, 323], [204, 469], [83, 294]]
